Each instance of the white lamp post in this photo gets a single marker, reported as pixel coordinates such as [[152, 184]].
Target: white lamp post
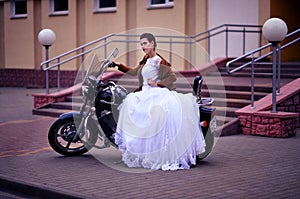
[[47, 37], [274, 30]]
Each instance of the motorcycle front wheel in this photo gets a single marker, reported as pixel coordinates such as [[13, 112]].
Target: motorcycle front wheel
[[61, 138]]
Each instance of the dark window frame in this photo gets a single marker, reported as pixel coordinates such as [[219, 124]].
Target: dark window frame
[[54, 12], [14, 9], [166, 4], [98, 9]]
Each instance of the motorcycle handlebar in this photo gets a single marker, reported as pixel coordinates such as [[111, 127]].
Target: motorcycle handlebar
[[104, 67]]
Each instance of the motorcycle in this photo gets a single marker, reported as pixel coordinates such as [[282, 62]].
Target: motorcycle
[[77, 132]]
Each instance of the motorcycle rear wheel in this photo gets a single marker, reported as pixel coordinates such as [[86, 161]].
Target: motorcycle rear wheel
[[209, 140], [61, 136]]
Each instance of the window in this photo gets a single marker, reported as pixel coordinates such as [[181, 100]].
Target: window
[[160, 4], [59, 7], [105, 6], [18, 8]]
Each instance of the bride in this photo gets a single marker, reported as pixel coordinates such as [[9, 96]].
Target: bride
[[158, 128]]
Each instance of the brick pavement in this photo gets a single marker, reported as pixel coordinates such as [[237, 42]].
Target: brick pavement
[[239, 166]]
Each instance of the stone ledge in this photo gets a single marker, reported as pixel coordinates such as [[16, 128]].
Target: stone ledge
[[261, 121], [280, 124], [276, 115], [42, 99], [265, 103]]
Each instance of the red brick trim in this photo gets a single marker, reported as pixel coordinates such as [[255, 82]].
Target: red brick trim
[[35, 78], [261, 121]]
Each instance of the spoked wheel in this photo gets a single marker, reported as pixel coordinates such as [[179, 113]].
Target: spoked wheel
[[61, 138]]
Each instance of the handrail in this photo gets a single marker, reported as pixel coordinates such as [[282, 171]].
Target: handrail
[[226, 28], [251, 53], [257, 50], [103, 42]]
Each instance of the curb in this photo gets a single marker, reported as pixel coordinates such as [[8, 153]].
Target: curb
[[24, 189]]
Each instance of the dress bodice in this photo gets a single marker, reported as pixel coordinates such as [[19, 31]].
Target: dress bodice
[[150, 69]]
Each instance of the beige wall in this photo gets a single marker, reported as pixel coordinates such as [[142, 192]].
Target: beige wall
[[132, 16], [101, 24], [20, 48], [64, 28], [233, 12], [264, 15], [264, 11], [185, 18], [19, 39], [2, 39]]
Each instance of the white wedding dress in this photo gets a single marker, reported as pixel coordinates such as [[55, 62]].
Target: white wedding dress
[[159, 128]]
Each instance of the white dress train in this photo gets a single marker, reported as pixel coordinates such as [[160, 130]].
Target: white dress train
[[159, 128]]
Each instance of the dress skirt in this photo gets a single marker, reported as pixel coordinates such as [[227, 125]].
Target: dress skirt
[[159, 129]]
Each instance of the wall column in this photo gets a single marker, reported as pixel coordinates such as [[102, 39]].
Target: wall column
[[38, 49], [2, 40], [131, 23]]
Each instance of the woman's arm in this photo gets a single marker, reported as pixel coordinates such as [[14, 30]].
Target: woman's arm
[[125, 69], [131, 71], [167, 76]]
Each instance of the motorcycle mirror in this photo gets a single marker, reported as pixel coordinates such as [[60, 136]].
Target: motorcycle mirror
[[115, 52]]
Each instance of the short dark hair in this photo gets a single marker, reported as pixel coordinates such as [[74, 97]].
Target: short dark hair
[[150, 37]]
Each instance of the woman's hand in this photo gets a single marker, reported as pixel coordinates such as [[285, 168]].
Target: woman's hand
[[152, 83], [113, 64]]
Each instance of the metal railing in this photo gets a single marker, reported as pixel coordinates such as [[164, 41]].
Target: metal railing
[[254, 60], [229, 28], [104, 42]]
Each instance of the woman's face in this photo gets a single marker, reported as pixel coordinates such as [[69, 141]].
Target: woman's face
[[147, 46]]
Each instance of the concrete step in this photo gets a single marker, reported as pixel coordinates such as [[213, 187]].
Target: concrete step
[[51, 112], [231, 102], [186, 84], [264, 64], [230, 92], [230, 105], [58, 108], [75, 106], [231, 127], [292, 75], [226, 111], [223, 119], [74, 98], [231, 97], [267, 70], [76, 101]]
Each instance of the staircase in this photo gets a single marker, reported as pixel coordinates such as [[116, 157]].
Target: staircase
[[231, 92]]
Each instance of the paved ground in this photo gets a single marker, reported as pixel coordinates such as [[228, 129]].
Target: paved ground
[[239, 167]]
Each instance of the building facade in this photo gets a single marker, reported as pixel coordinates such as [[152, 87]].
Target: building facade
[[81, 21]]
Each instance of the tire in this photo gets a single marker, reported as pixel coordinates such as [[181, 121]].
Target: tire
[[209, 140], [207, 114], [62, 132]]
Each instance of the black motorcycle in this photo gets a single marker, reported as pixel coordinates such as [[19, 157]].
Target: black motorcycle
[[75, 133]]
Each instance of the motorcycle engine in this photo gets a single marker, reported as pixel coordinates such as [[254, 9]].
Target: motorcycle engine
[[106, 104], [111, 95]]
